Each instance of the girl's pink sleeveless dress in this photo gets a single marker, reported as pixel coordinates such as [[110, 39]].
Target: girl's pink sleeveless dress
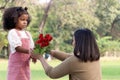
[[18, 67]]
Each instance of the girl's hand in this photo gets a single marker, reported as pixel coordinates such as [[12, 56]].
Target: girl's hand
[[35, 56], [34, 60], [30, 51]]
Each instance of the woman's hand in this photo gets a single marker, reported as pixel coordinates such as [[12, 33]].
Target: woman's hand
[[36, 56], [52, 52]]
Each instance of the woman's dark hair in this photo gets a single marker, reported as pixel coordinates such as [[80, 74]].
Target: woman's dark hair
[[86, 48], [11, 15]]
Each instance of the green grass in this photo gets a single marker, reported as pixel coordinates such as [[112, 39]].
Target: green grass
[[37, 72], [110, 70]]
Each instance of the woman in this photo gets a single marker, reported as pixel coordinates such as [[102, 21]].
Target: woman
[[83, 65]]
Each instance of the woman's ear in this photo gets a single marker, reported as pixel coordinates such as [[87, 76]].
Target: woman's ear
[[73, 41]]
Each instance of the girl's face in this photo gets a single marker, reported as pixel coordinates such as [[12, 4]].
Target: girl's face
[[22, 22]]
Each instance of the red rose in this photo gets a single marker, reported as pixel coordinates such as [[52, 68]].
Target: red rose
[[40, 36], [43, 41], [48, 37]]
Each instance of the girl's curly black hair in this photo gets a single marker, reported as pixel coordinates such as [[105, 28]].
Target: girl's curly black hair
[[11, 16]]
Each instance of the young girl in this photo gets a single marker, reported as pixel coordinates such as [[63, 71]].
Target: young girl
[[15, 21]]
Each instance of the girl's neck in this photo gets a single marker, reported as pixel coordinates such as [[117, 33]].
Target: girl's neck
[[19, 29]]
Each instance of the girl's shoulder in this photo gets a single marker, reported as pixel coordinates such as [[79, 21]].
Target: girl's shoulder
[[12, 31], [28, 33]]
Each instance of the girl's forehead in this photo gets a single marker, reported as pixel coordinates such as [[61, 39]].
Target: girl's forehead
[[24, 15]]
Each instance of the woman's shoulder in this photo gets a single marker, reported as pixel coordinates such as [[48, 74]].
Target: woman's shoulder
[[73, 59]]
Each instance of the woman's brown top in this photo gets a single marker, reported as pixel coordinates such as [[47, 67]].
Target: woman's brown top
[[76, 69]]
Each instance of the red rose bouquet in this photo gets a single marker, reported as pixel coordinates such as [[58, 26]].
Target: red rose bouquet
[[42, 44]]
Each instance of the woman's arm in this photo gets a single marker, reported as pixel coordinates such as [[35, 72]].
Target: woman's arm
[[57, 72], [59, 55]]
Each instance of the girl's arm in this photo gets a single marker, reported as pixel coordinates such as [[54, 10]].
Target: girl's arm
[[59, 55], [23, 50], [15, 42]]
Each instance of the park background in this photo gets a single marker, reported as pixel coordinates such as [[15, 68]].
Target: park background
[[62, 19]]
